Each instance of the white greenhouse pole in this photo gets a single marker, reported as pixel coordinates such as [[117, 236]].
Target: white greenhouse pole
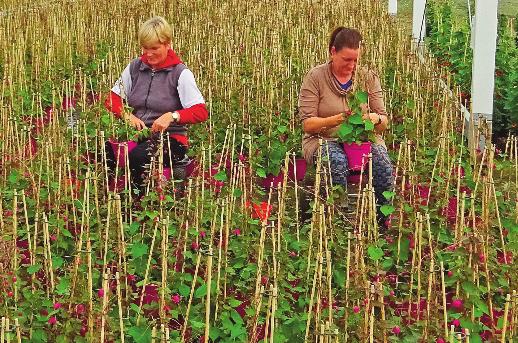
[[418, 20], [484, 31], [392, 7]]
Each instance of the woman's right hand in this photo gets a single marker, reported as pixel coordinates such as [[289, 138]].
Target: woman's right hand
[[136, 122]]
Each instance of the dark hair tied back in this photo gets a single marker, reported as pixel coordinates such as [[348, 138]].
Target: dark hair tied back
[[343, 37]]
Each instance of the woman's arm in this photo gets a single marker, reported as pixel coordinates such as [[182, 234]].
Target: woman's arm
[[309, 99], [114, 102], [194, 109], [378, 114], [316, 125]]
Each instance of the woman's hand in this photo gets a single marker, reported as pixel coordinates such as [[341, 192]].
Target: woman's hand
[[380, 121], [136, 122], [373, 117], [162, 122]]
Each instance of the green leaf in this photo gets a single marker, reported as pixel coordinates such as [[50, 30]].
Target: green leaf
[[339, 277], [63, 286], [140, 334], [184, 290], [387, 263], [197, 325], [387, 209], [14, 176], [135, 308], [66, 233], [388, 195], [470, 288], [57, 262], [237, 192], [237, 331], [234, 302], [39, 335], [214, 333], [502, 281], [375, 253], [133, 228], [344, 131], [221, 176], [369, 126], [201, 291], [106, 119], [404, 249], [138, 249], [356, 119], [33, 269], [236, 317], [481, 306], [500, 323], [362, 97], [261, 172]]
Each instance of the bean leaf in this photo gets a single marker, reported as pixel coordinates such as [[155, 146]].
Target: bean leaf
[[356, 119], [138, 249], [375, 253], [362, 97], [387, 209], [201, 291], [221, 176]]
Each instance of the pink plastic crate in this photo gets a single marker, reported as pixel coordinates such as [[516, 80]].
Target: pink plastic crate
[[297, 170], [269, 179], [120, 151]]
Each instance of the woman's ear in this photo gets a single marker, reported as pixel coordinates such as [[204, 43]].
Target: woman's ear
[[332, 51]]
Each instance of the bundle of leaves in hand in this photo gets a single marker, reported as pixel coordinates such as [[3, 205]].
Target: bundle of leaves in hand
[[355, 128], [122, 130]]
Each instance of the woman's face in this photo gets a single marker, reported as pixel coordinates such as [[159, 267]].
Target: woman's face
[[156, 53], [344, 60]]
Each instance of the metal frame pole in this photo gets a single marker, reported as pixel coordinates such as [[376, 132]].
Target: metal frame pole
[[484, 31]]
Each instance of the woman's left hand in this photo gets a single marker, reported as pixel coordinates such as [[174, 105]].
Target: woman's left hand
[[162, 122], [373, 117], [380, 121]]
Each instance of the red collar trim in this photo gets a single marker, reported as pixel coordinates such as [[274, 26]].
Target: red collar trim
[[171, 60]]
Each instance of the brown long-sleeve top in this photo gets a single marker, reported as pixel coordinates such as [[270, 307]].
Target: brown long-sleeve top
[[322, 96]]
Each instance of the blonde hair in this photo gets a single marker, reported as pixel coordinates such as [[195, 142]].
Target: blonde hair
[[154, 30]]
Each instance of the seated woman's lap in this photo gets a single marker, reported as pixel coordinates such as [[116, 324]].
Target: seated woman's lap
[[140, 157], [334, 152], [143, 152], [382, 168]]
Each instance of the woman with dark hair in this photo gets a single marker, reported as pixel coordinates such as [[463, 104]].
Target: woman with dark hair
[[323, 107]]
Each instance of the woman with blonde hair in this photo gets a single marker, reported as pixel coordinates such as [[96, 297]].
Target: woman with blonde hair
[[163, 95]]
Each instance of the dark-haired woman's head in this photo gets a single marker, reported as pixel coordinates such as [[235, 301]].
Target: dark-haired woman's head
[[344, 48]]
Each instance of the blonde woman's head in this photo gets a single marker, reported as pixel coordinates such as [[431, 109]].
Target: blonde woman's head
[[153, 31]]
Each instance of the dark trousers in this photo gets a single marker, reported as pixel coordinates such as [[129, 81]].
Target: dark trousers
[[140, 157]]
